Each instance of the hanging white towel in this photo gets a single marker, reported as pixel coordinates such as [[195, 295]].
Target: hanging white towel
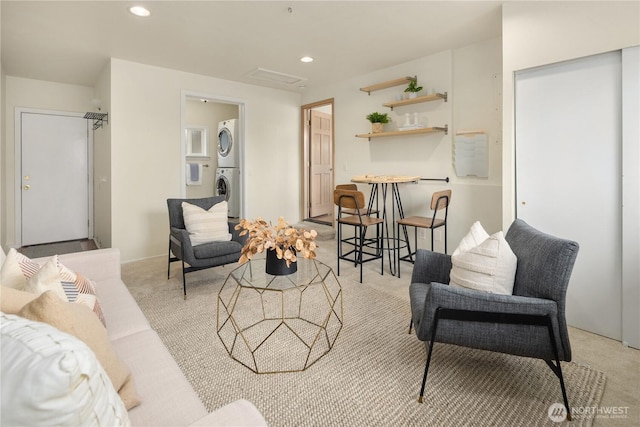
[[194, 174]]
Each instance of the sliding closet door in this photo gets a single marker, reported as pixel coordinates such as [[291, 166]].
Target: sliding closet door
[[568, 176]]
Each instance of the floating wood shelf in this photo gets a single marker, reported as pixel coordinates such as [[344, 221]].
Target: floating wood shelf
[[390, 83], [426, 98], [444, 129]]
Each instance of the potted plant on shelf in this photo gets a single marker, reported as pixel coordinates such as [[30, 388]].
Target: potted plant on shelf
[[281, 242], [377, 121], [413, 88]]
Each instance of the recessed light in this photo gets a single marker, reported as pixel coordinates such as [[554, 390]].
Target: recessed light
[[306, 59], [139, 11]]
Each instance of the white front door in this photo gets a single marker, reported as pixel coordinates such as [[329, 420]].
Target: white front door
[[54, 178], [568, 176]]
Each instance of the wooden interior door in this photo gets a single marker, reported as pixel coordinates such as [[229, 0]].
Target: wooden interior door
[[321, 162]]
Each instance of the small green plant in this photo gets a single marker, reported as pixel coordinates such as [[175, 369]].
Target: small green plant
[[378, 117], [413, 86]]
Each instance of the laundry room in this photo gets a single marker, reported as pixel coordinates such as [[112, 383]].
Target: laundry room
[[212, 153]]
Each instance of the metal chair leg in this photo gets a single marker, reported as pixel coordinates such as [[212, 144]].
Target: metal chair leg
[[339, 248], [445, 238], [184, 281], [426, 368], [362, 234], [432, 240], [380, 249], [557, 369]]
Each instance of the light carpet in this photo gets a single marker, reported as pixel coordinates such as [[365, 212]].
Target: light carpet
[[372, 375]]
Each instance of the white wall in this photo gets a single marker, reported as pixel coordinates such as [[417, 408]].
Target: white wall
[[2, 149], [145, 155], [468, 75], [20, 92], [3, 189], [102, 164]]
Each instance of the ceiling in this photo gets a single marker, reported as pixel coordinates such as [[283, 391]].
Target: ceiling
[[71, 42]]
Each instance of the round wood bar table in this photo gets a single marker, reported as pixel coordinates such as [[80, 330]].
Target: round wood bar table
[[379, 186]]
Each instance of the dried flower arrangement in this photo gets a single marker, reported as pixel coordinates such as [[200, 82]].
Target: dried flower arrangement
[[283, 238]]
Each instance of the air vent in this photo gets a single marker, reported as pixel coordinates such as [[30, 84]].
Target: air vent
[[274, 76]]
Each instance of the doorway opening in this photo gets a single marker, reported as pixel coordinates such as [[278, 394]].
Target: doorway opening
[[318, 148], [212, 151]]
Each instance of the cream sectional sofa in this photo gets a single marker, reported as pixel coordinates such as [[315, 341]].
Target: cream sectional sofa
[[167, 397]]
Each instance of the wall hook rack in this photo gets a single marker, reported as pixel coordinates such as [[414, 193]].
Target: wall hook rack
[[98, 119]]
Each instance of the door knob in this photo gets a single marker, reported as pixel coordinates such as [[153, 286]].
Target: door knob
[[26, 187], [524, 203]]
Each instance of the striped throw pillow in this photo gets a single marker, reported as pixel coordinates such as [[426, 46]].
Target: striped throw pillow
[[206, 226], [20, 272]]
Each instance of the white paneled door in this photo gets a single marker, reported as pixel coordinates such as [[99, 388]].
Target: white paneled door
[[54, 178], [568, 176]]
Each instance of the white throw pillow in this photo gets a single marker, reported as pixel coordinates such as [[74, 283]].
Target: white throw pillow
[[489, 266], [52, 378], [16, 269], [474, 237], [206, 226], [46, 279]]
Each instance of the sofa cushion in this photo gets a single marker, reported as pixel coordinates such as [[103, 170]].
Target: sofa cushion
[[489, 266], [120, 309], [206, 225], [167, 397], [79, 321], [216, 249], [52, 378]]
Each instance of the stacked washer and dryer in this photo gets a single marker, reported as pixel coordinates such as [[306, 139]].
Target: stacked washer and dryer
[[228, 172]]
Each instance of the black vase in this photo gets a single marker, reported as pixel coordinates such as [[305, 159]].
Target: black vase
[[278, 267]]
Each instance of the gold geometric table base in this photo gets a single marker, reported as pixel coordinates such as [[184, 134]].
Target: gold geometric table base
[[279, 323]]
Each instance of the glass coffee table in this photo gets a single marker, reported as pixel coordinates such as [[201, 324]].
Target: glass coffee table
[[279, 323]]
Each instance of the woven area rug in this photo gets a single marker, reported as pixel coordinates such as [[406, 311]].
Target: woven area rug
[[372, 375]]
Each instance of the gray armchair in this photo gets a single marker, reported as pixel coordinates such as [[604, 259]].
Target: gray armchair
[[203, 256], [529, 323]]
